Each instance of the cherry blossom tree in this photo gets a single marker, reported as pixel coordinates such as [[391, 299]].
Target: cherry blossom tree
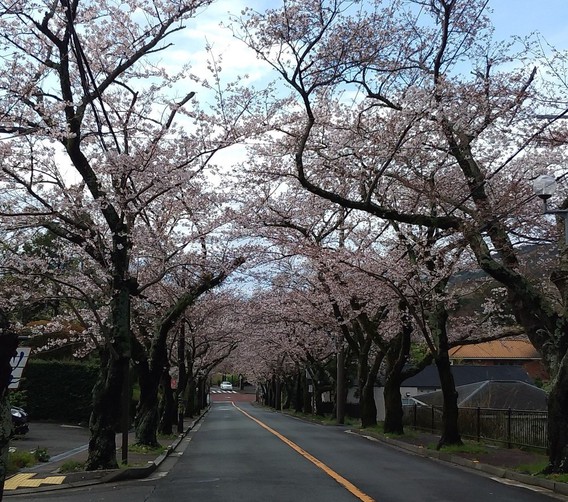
[[213, 330], [97, 135], [316, 235], [152, 367], [300, 225], [54, 273], [154, 364], [411, 111], [286, 338]]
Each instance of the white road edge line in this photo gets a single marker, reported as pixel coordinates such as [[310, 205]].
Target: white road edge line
[[511, 482]]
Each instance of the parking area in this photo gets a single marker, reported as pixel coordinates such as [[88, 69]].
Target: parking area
[[58, 439]]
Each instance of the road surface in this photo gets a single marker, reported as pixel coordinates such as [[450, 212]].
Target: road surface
[[239, 452]]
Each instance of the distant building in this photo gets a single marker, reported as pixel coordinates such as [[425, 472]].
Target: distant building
[[495, 394], [428, 379], [515, 351]]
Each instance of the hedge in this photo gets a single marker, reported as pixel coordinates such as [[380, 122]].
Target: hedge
[[58, 390]]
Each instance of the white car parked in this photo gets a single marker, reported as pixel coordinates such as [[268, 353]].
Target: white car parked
[[226, 386]]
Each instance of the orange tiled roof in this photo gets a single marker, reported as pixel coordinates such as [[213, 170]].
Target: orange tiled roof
[[497, 349]]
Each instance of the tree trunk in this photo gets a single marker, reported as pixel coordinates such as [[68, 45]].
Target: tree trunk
[[198, 395], [367, 379], [306, 396], [397, 355], [558, 421], [393, 406], [201, 399], [147, 415], [277, 394], [341, 388], [182, 378], [264, 391], [191, 405], [437, 321], [106, 413], [298, 392], [108, 405], [367, 406], [289, 389], [318, 400], [269, 395], [450, 413], [167, 406], [147, 419]]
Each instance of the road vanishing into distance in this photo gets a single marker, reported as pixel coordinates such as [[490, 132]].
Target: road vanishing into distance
[[240, 452]]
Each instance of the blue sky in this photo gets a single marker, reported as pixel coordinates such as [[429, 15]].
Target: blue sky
[[510, 17], [521, 17]]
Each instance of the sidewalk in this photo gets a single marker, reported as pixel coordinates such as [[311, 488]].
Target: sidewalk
[[45, 476]]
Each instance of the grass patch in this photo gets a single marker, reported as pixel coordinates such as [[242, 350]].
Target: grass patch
[[379, 429], [19, 460], [536, 469], [532, 469], [321, 419], [561, 478], [331, 420], [71, 466], [142, 448]]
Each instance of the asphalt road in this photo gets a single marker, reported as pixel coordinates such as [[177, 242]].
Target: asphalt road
[[60, 441], [243, 453]]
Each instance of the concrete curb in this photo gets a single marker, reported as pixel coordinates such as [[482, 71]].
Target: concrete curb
[[143, 472], [498, 472], [114, 475]]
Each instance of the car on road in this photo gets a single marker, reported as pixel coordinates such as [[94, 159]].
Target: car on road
[[19, 421], [226, 386]]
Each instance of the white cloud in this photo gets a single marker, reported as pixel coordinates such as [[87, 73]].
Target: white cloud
[[209, 28]]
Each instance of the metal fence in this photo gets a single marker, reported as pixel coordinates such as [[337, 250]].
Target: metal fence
[[510, 427]]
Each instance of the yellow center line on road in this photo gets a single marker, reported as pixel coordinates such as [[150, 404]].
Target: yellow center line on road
[[350, 487]]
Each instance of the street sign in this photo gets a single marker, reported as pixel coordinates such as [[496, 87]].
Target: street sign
[[18, 362]]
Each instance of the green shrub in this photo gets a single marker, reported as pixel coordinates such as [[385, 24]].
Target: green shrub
[[18, 398], [40, 454], [20, 459]]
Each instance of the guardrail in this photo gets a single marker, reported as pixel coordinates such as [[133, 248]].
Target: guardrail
[[510, 427]]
